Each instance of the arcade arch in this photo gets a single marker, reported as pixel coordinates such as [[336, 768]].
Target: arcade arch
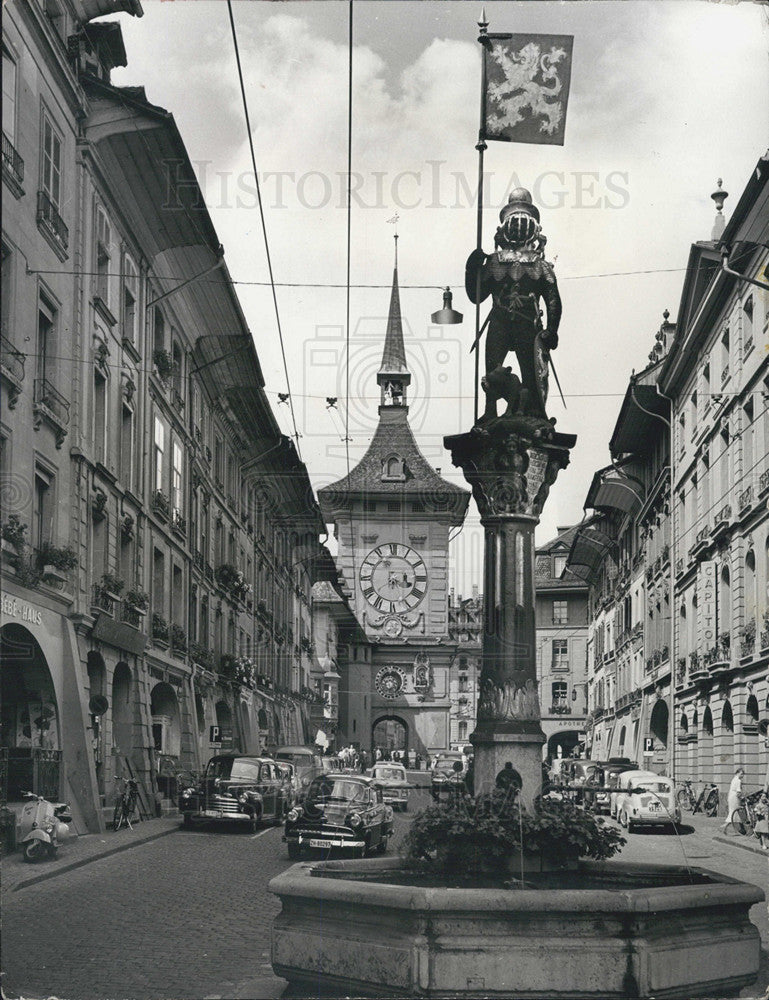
[[30, 716], [390, 733]]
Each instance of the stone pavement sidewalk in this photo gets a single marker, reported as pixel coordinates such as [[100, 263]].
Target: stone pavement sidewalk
[[713, 826], [17, 873]]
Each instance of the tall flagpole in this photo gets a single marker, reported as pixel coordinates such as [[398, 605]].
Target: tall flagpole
[[481, 147]]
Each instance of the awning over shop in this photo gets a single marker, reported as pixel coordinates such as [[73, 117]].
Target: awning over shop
[[639, 427], [613, 489], [591, 545]]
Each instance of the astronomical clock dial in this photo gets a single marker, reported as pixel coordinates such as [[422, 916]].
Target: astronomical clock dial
[[389, 682], [393, 578]]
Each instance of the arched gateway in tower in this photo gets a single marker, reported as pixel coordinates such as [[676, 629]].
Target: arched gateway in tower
[[392, 516]]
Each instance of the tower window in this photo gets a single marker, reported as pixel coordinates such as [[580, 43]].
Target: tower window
[[393, 506], [392, 468]]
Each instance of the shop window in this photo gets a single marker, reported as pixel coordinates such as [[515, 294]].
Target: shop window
[[102, 255], [100, 417], [43, 508], [160, 444], [159, 331], [126, 446], [130, 295], [560, 659]]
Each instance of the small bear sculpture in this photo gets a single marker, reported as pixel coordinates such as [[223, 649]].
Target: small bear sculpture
[[501, 383]]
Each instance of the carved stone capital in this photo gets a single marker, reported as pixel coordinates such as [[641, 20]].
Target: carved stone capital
[[510, 468]]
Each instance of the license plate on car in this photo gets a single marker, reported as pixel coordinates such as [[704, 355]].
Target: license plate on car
[[212, 814], [323, 843]]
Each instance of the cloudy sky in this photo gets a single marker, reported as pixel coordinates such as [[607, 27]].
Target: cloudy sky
[[665, 99]]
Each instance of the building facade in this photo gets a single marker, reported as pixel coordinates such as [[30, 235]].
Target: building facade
[[675, 552], [561, 622], [717, 376], [159, 548], [392, 515], [466, 632]]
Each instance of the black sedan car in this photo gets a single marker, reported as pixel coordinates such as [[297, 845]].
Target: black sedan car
[[340, 812], [236, 787]]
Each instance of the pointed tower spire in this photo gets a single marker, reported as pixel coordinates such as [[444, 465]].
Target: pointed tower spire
[[393, 375]]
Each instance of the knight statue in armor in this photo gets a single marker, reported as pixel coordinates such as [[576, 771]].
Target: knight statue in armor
[[517, 277]]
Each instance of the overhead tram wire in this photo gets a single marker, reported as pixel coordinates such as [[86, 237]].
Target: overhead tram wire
[[264, 225], [332, 284]]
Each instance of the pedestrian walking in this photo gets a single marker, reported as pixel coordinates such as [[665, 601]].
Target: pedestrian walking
[[761, 828], [734, 797]]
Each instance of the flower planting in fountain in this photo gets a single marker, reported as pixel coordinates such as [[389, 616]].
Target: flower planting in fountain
[[489, 833]]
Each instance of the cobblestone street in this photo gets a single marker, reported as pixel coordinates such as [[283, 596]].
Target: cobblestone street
[[188, 914]]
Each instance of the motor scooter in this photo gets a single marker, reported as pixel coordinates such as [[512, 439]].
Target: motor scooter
[[43, 826]]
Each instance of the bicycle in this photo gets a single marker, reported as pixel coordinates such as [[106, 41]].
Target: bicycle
[[708, 800], [125, 804], [743, 820], [685, 796]]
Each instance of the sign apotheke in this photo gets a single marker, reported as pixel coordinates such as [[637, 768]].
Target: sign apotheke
[[14, 608]]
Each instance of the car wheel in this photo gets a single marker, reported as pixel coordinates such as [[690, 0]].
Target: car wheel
[[255, 822], [294, 852], [405, 807], [381, 847]]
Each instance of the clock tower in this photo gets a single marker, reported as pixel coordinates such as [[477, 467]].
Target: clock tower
[[392, 515]]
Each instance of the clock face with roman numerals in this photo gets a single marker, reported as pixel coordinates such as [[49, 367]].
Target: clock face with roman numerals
[[393, 578]]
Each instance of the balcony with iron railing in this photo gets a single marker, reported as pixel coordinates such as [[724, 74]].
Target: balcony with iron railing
[[51, 405], [51, 223], [13, 166]]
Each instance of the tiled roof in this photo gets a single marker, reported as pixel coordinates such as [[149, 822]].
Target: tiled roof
[[393, 437]]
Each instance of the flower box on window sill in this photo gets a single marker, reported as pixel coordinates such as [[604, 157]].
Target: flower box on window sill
[[53, 577]]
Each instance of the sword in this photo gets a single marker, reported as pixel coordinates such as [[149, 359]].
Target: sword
[[550, 362], [480, 333], [555, 376]]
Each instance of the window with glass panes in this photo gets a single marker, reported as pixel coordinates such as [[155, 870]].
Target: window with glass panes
[[560, 612], [560, 654]]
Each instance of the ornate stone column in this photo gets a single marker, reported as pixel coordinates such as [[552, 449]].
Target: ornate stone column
[[511, 465]]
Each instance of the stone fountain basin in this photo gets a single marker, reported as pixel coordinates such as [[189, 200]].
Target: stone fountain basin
[[639, 931]]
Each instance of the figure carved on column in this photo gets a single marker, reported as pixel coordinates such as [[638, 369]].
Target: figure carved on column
[[517, 277], [510, 473]]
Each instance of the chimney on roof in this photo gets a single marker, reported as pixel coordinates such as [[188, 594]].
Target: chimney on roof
[[719, 196]]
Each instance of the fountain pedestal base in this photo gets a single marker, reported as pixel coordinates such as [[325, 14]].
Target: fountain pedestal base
[[493, 750]]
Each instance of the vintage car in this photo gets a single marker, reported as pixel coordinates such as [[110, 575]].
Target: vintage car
[[603, 781], [340, 812], [307, 762], [287, 774], [395, 785], [448, 772], [644, 798], [236, 787]]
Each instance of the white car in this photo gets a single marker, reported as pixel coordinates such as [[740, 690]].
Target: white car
[[394, 783], [642, 798]]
